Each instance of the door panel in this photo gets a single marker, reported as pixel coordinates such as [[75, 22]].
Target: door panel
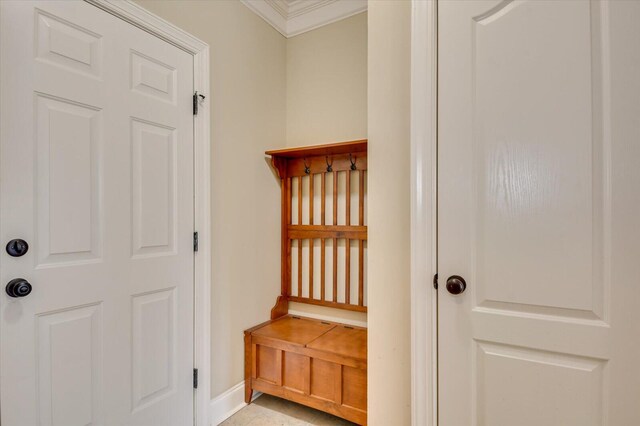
[[96, 163], [152, 77], [528, 113], [539, 182], [154, 339], [68, 173], [70, 365], [68, 45], [154, 188], [525, 386]]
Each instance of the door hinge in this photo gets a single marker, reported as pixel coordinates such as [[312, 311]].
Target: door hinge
[[435, 281], [196, 243], [196, 102], [195, 378]]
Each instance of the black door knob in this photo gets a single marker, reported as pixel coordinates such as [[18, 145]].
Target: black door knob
[[456, 284], [18, 287], [17, 247]]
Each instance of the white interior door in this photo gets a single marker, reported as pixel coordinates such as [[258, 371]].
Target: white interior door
[[539, 212], [96, 163]]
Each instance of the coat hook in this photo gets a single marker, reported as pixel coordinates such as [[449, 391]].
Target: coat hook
[[307, 169], [353, 163], [329, 165]]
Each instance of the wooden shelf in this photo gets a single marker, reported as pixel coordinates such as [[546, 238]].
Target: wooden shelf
[[326, 149], [291, 162]]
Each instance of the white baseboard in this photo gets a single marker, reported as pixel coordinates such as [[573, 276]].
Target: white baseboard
[[228, 403]]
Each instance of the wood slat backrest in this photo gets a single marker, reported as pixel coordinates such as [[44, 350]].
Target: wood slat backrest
[[299, 169]]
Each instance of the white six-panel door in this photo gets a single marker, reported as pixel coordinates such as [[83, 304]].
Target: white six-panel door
[[96, 163], [539, 212]]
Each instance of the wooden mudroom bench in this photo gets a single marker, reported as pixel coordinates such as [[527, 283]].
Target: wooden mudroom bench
[[321, 364], [311, 362]]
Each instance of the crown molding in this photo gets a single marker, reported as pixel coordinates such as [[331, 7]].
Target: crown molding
[[294, 17]]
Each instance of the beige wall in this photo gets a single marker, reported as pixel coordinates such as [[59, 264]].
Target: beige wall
[[266, 92], [247, 98], [389, 213], [327, 83], [327, 102]]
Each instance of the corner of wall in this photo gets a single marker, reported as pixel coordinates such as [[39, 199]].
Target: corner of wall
[[228, 403], [389, 65]]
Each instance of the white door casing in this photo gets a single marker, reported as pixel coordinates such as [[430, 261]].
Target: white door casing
[[538, 207], [97, 174], [424, 309]]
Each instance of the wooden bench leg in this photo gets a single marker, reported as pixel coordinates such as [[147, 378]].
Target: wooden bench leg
[[248, 391]]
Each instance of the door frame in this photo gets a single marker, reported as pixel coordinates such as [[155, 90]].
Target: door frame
[[424, 218], [136, 15]]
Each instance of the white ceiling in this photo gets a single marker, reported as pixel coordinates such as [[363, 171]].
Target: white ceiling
[[293, 17]]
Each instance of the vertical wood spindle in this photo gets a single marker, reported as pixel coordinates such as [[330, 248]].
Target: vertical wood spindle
[[335, 240], [322, 241], [286, 242], [300, 240], [361, 242], [311, 240], [347, 282]]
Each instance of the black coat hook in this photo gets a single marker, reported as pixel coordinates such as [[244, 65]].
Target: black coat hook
[[353, 163], [329, 165], [307, 170]]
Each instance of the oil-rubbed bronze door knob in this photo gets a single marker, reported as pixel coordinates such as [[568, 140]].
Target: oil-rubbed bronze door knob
[[18, 287], [456, 284]]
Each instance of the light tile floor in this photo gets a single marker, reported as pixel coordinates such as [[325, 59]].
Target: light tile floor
[[271, 411]]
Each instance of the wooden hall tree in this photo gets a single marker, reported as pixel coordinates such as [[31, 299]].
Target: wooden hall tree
[[317, 363]]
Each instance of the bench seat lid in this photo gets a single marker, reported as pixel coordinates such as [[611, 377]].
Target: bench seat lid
[[343, 340], [295, 330]]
